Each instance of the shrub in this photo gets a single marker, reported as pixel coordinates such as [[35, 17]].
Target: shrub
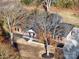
[[27, 2], [57, 3], [76, 26], [64, 3]]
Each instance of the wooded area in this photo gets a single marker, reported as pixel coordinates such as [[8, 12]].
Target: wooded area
[[50, 27], [56, 3]]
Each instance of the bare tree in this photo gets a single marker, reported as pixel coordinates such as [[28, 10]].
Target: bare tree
[[48, 3], [11, 12], [45, 22]]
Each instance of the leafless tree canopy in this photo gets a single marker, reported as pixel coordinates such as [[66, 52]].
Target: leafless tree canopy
[[13, 11], [41, 21]]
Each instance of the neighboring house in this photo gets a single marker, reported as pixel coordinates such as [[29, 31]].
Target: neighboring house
[[63, 29], [17, 29]]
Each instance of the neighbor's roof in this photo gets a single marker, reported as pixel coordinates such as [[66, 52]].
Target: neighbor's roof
[[64, 29]]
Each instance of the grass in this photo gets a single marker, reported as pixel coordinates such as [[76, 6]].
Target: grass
[[27, 2], [76, 15], [76, 26]]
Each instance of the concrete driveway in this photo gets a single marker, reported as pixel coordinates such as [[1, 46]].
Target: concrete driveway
[[31, 50]]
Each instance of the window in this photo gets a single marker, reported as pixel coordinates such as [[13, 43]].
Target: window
[[18, 29], [15, 29]]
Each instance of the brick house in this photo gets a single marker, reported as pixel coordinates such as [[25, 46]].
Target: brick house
[[17, 28]]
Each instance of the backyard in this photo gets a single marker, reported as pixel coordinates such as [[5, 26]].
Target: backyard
[[52, 25]]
